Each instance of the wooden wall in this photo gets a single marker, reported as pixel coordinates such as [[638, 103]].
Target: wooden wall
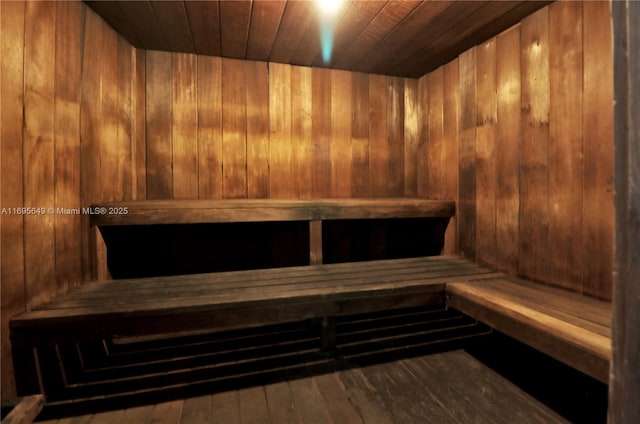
[[225, 128], [534, 139], [66, 100]]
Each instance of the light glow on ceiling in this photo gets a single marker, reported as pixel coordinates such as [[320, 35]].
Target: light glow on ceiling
[[330, 7]]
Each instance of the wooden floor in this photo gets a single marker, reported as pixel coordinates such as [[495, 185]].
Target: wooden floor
[[450, 387]]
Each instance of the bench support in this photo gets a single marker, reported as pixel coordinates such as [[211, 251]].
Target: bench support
[[315, 242]]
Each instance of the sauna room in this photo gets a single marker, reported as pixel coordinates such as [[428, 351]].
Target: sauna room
[[320, 212]]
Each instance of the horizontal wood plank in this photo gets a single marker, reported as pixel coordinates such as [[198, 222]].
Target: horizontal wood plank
[[257, 210], [25, 411], [573, 329]]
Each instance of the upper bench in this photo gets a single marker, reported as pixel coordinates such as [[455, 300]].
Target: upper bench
[[146, 212]]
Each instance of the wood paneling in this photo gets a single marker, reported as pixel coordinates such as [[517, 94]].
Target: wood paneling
[[301, 131], [450, 125], [360, 135], [280, 121], [400, 38], [12, 195], [507, 149], [257, 86], [598, 225], [535, 145], [534, 160], [66, 142], [487, 103], [321, 131], [159, 125], [624, 386], [565, 143], [209, 100], [340, 134]]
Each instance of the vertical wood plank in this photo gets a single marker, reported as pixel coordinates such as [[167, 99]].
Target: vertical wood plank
[[321, 131], [535, 92], [301, 132], [467, 169], [209, 99], [39, 150], [124, 117], [90, 121], [360, 135], [340, 133], [485, 153], [565, 144], [110, 179], [422, 150], [378, 145], [234, 133], [450, 149], [411, 126], [624, 385], [11, 192], [598, 225], [280, 119], [159, 123], [435, 147], [508, 150], [395, 134], [282, 408], [67, 144], [257, 130], [184, 131], [139, 149], [167, 412], [253, 406], [225, 407], [315, 242], [196, 410]]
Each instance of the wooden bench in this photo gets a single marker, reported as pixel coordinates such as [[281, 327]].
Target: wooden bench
[[572, 328], [147, 306]]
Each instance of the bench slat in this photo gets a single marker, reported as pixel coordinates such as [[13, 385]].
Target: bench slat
[[249, 210], [550, 320]]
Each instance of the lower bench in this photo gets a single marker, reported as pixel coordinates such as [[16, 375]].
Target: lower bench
[[227, 300], [573, 329]]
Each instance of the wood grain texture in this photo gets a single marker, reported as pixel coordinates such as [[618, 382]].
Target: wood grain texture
[[565, 145], [436, 143], [624, 383], [487, 101], [598, 226], [451, 123], [534, 145], [395, 137], [255, 210], [301, 132], [159, 125], [234, 136], [138, 147], [184, 128], [39, 150], [379, 153], [467, 152], [11, 145], [257, 92], [125, 124], [423, 135], [69, 17], [340, 134], [280, 121], [209, 127], [411, 137], [507, 149], [360, 135], [321, 131], [529, 315]]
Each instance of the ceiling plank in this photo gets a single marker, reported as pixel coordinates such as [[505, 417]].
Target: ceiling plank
[[407, 33], [296, 21], [265, 20], [354, 20], [143, 19], [204, 17], [173, 20], [492, 29], [391, 15], [111, 13], [235, 17]]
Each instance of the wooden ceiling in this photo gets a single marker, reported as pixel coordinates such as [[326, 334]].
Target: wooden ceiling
[[402, 38]]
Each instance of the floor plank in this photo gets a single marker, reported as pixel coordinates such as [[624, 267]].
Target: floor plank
[[448, 387]]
